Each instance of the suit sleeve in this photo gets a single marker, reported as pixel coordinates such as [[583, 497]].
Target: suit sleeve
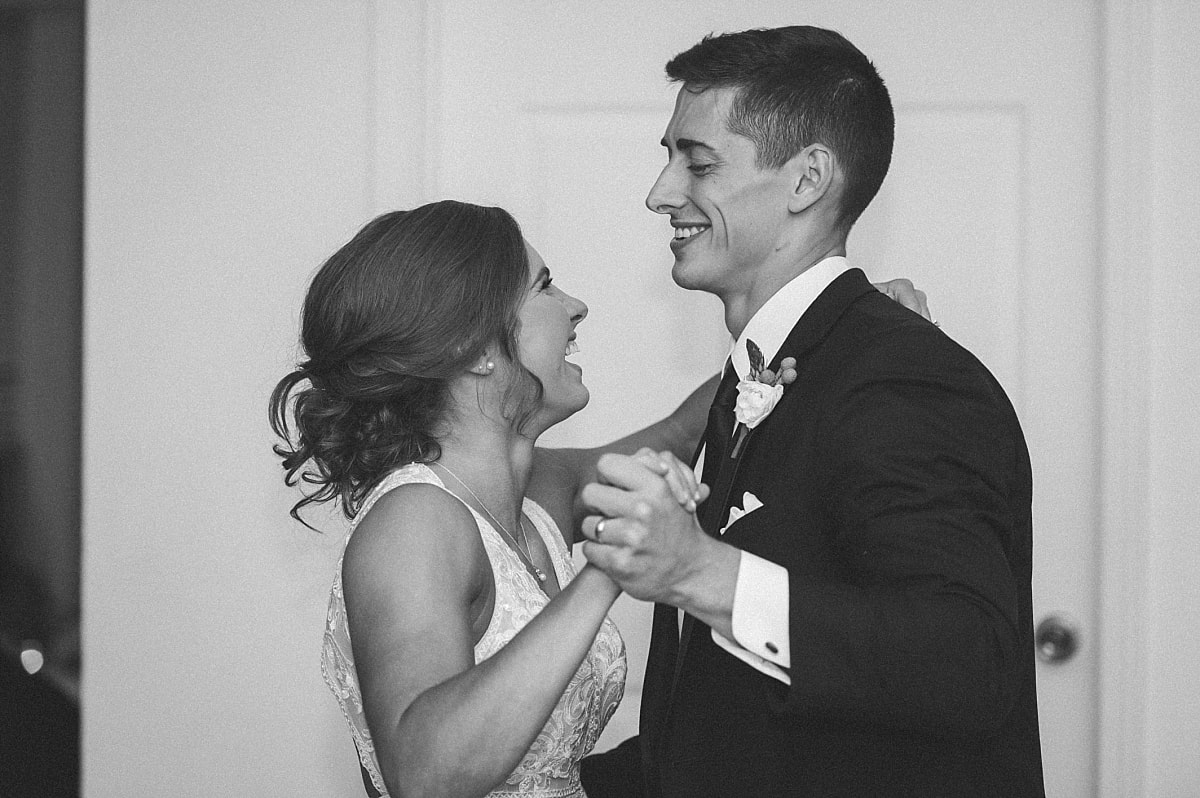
[[915, 625]]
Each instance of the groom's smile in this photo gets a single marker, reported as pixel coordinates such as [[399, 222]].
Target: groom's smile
[[683, 233], [686, 233]]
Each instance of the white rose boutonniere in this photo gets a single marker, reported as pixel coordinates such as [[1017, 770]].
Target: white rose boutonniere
[[755, 402], [758, 393]]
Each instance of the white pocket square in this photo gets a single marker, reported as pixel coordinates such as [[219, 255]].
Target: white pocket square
[[750, 503]]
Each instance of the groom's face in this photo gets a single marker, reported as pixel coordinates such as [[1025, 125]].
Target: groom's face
[[728, 215]]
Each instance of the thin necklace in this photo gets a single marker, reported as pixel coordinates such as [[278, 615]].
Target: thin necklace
[[521, 550]]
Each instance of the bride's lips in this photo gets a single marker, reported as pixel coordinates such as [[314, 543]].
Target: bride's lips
[[572, 348]]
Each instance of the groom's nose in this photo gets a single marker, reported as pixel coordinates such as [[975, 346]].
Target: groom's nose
[[667, 193]]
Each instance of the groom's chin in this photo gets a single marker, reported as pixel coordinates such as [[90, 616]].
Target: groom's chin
[[683, 276], [688, 277]]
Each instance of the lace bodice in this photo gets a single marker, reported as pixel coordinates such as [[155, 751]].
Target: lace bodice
[[550, 769]]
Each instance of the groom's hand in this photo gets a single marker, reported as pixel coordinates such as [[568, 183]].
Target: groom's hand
[[652, 546]]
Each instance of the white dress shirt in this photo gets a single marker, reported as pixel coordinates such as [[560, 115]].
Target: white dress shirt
[[760, 601]]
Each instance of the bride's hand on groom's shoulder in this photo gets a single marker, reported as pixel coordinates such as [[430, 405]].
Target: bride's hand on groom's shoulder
[[903, 291]]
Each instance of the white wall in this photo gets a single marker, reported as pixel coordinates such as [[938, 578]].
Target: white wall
[[229, 147], [228, 150]]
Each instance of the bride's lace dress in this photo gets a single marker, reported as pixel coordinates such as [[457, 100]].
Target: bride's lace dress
[[550, 769]]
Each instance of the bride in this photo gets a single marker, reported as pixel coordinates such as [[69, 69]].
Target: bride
[[467, 654], [464, 649]]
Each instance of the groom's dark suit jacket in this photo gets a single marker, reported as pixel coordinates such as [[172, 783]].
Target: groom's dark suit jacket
[[896, 490]]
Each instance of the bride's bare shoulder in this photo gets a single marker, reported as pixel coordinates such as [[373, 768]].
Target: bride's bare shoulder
[[416, 530]]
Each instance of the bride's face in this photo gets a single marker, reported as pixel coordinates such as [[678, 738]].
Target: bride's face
[[547, 338]]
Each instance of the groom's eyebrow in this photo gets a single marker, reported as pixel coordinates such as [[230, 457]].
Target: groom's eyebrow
[[687, 145]]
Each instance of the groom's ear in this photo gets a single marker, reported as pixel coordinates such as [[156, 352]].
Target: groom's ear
[[812, 172]]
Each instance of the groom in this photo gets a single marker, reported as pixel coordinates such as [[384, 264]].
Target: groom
[[854, 604]]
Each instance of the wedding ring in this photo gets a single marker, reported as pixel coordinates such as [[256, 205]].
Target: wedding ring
[[600, 529]]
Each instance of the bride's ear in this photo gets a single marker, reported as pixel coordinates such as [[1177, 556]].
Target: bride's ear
[[484, 366]]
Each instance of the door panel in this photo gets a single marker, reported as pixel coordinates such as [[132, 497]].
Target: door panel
[[555, 111]]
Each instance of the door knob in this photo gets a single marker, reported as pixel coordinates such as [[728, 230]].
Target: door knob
[[1056, 639]]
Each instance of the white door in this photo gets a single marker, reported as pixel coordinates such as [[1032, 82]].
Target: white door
[[554, 110]]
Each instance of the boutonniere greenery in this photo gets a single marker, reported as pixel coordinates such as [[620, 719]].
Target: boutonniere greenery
[[758, 393]]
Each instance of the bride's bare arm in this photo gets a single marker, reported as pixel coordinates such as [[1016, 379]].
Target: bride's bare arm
[[560, 474], [415, 576]]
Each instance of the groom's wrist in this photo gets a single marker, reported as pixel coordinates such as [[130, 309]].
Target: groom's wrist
[[707, 593]]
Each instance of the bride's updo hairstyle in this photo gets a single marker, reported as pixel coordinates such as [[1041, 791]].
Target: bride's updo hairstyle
[[410, 303]]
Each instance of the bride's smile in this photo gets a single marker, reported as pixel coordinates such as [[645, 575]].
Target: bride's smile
[[547, 338]]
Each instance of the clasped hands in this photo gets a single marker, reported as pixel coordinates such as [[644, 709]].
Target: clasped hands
[[646, 536]]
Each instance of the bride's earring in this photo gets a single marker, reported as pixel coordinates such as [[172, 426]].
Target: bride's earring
[[485, 368]]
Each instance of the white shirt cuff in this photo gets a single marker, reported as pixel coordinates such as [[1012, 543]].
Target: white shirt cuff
[[760, 618]]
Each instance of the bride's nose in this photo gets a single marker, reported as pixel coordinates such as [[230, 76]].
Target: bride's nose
[[576, 308]]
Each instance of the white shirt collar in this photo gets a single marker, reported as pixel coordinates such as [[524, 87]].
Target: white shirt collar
[[770, 325]]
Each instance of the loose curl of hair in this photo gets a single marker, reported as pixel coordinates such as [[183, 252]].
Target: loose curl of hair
[[410, 303]]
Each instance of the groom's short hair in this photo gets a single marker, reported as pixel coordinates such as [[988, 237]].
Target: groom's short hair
[[797, 86]]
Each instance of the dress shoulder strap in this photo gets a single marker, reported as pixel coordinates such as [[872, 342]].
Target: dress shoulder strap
[[405, 475]]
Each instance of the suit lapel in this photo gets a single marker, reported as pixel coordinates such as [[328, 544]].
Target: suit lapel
[[810, 330], [815, 325]]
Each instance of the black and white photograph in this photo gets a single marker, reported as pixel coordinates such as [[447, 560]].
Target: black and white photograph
[[555, 399]]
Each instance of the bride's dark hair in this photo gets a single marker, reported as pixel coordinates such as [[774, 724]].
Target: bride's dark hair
[[411, 302]]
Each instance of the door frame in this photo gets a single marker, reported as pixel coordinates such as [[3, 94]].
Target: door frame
[[404, 139], [1125, 358]]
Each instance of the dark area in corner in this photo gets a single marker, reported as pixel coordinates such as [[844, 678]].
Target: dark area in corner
[[39, 735], [41, 275]]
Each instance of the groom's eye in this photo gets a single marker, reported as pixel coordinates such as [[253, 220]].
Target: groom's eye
[[700, 168]]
